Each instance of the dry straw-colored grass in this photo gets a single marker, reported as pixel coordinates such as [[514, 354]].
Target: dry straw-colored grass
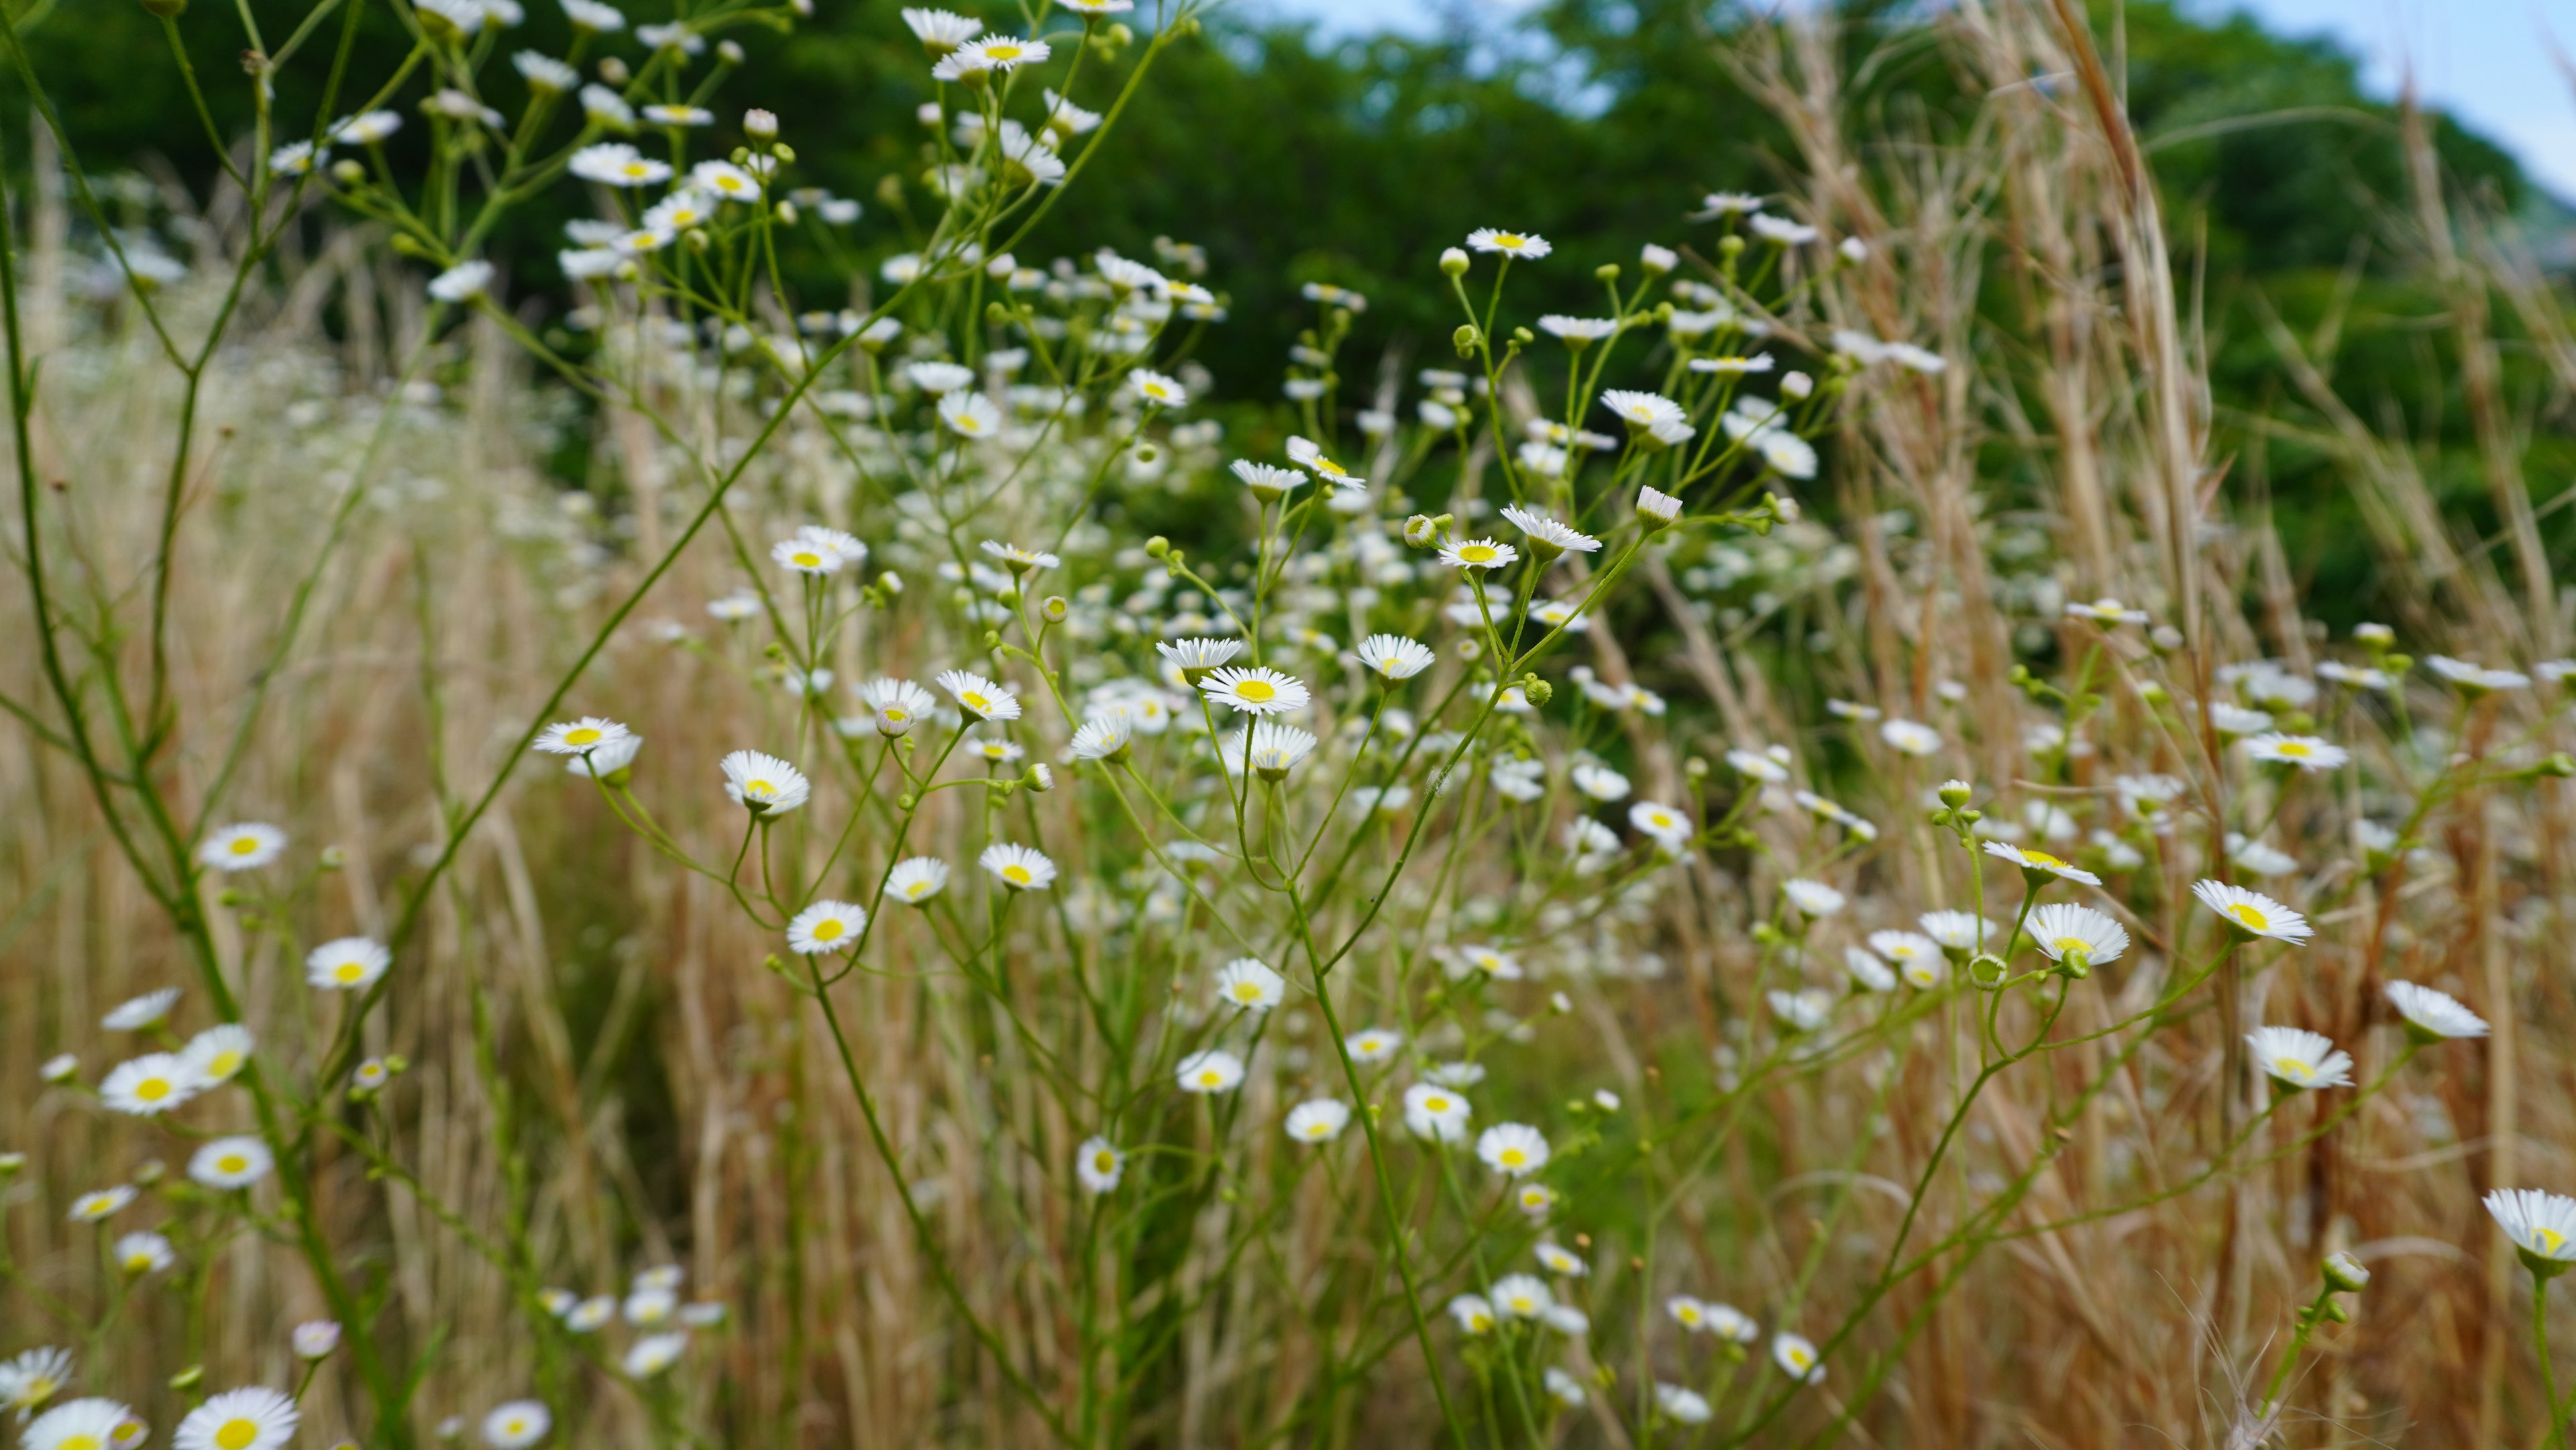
[[651, 1094]]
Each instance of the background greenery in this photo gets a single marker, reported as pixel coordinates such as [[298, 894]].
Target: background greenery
[[1294, 157]]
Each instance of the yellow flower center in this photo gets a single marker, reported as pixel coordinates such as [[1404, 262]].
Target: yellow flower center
[[1002, 52], [2295, 1069], [974, 701], [2070, 945], [583, 736], [1800, 1359], [1437, 1105], [827, 930], [639, 168], [1689, 1315], [914, 891], [1477, 554], [237, 1434], [1256, 691], [1247, 991], [2253, 919], [243, 845], [1017, 875], [2042, 859], [1659, 818], [232, 1163], [807, 560], [2548, 1240], [349, 971], [152, 1089], [1103, 1161], [1510, 241], [80, 1442], [223, 1064], [758, 787], [1513, 1157], [2293, 749]]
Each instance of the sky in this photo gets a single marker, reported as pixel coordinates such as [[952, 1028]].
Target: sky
[[2488, 62]]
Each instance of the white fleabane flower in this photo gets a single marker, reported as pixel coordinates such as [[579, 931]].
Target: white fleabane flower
[[1309, 455], [1098, 1165], [1318, 1120], [1514, 1150], [1155, 388], [2077, 934], [2432, 1015], [1527, 245], [2229, 719], [1522, 1296], [1578, 331], [100, 1205], [517, 1425], [141, 1253], [675, 115], [1806, 1011], [807, 556], [1688, 1407], [1641, 410], [1268, 482], [90, 1423], [257, 1418], [896, 705], [1565, 1389], [1249, 985], [1660, 507], [654, 1353], [462, 283], [1867, 972], [1478, 554], [34, 1376], [1814, 898], [1473, 1314], [2040, 862], [1394, 657], [1373, 1044], [979, 696], [151, 1084], [916, 879], [1272, 749], [1214, 1070], [226, 1163], [1198, 654], [1258, 690], [2251, 913], [1795, 1354], [2300, 1059], [763, 784], [219, 1052], [350, 964], [970, 415], [1599, 782], [1668, 828], [2541, 1225], [940, 31], [1956, 931], [2475, 679], [1546, 535], [825, 926], [1910, 736], [614, 163], [1436, 1113], [1561, 1261], [588, 733], [545, 73], [368, 128], [1916, 958], [136, 1013], [242, 847], [2307, 752], [1017, 867], [1105, 736]]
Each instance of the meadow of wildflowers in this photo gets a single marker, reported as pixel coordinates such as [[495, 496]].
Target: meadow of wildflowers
[[1778, 863]]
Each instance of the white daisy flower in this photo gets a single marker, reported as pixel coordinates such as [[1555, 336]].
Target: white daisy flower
[[826, 926], [1578, 331], [763, 784], [1565, 1389], [940, 31], [257, 1418], [1813, 898], [614, 163], [1522, 1296], [153, 1083], [1267, 482], [2300, 1059], [226, 1163], [1806, 1011], [242, 847], [590, 732], [2541, 1225], [1668, 827], [143, 1253], [2475, 679], [654, 1353], [2307, 752], [517, 1425], [970, 415], [1305, 453], [1104, 736], [1528, 245], [1867, 972], [1654, 504], [1910, 737], [1437, 1113], [896, 705], [2229, 719], [350, 964], [1155, 388], [1795, 1354], [1214, 1070], [101, 1204], [1473, 1314], [1273, 749], [1318, 1120], [1599, 781], [2068, 933], [2040, 862], [591, 1314], [2251, 913], [137, 1013], [1394, 657], [1478, 554], [808, 556], [368, 128], [545, 73], [1547, 537], [2432, 1015], [669, 114], [916, 879], [1563, 1262], [462, 283], [1687, 1407], [83, 1424], [1098, 1165], [1535, 1200], [1019, 560], [1374, 1044], [1258, 690], [1248, 985], [979, 696], [1514, 1150], [1017, 867], [1956, 931]]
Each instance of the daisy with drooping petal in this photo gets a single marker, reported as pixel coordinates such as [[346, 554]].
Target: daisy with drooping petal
[[1104, 736], [1473, 1314], [826, 926], [1478, 554], [1268, 482], [979, 696], [1214, 1070], [1560, 1261], [654, 1353], [83, 1424], [231, 1163], [2077, 935], [1683, 1406], [2307, 752], [1394, 657], [153, 1083], [1017, 867], [143, 1253], [2541, 1225], [940, 31], [1958, 931], [2299, 1059], [1795, 1354], [517, 1425], [916, 879], [2431, 1016], [1547, 537], [2040, 863], [1436, 1113], [1318, 1120], [242, 847], [101, 1204], [30, 1378], [1259, 690], [257, 1418], [1195, 656], [351, 964], [1098, 1165], [1527, 245], [763, 784], [1306, 453], [1867, 972], [588, 733], [136, 1013], [2251, 913], [1249, 985], [1513, 1150]]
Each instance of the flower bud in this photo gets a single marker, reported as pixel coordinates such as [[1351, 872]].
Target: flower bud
[[1039, 777], [1055, 608], [1453, 260], [2373, 636], [1537, 691], [1987, 970], [1796, 385], [1419, 531], [730, 52], [1466, 338], [1607, 271], [1955, 793], [2345, 1274], [188, 1379], [315, 1339], [1658, 260], [760, 125], [613, 71]]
